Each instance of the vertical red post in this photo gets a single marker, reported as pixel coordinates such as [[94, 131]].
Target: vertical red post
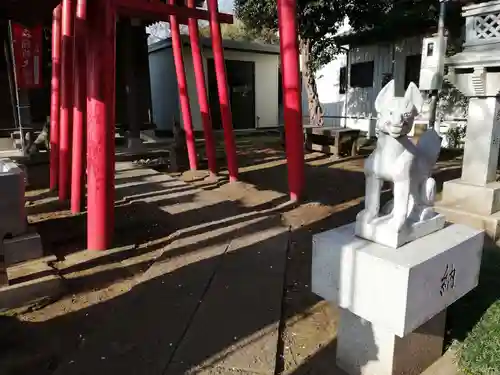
[[54, 97], [110, 79], [183, 89], [201, 89], [101, 38], [287, 10], [225, 106], [79, 108], [66, 98]]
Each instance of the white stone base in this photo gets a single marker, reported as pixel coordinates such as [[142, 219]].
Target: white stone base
[[381, 232], [481, 200], [457, 214], [365, 349], [396, 289]]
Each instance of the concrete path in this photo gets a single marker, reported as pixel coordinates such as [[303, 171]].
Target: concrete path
[[211, 301]]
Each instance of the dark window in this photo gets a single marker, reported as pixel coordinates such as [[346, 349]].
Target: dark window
[[343, 80], [362, 74], [430, 49], [412, 69]]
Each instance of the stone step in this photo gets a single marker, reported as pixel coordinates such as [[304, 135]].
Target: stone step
[[30, 283]]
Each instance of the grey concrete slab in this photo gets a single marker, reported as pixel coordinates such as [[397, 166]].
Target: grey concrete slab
[[214, 245], [148, 321], [236, 326], [444, 366]]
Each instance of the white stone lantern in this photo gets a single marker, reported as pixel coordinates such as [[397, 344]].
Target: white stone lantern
[[474, 199]]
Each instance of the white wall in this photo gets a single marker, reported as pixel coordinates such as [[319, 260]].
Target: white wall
[[164, 86], [360, 112], [328, 83]]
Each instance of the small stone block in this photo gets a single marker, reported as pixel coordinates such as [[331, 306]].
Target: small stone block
[[380, 232], [365, 349], [41, 282], [481, 200], [135, 144], [398, 289], [22, 248]]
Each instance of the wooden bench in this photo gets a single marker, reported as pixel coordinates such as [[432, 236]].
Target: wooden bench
[[335, 141]]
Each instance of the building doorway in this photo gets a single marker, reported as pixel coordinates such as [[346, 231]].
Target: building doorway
[[241, 85]]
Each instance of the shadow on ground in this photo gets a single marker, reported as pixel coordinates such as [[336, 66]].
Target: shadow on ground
[[141, 331], [463, 315], [222, 294], [146, 330]]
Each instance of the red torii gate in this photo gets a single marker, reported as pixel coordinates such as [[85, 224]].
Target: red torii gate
[[85, 92]]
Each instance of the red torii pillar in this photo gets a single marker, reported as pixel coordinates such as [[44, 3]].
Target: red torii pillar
[[201, 89], [187, 118], [66, 101], [294, 137], [54, 97], [101, 69], [79, 108], [225, 105], [101, 37], [110, 60]]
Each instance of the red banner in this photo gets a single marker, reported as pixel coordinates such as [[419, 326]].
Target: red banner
[[27, 44]]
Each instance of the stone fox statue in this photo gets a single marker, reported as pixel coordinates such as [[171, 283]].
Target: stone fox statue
[[397, 159]]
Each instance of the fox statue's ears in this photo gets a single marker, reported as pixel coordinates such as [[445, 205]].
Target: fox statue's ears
[[384, 97], [413, 98]]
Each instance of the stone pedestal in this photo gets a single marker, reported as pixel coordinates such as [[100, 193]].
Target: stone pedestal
[[380, 230], [481, 142], [17, 244], [369, 349], [12, 187], [391, 299], [474, 199]]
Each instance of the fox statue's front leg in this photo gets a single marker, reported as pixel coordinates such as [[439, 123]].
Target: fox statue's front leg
[[400, 210], [373, 188]]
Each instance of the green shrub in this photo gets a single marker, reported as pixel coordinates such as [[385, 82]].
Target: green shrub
[[474, 321], [479, 354]]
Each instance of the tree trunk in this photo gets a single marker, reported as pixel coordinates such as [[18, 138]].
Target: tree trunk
[[313, 104]]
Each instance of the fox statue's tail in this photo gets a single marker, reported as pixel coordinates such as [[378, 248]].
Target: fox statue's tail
[[428, 148]]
